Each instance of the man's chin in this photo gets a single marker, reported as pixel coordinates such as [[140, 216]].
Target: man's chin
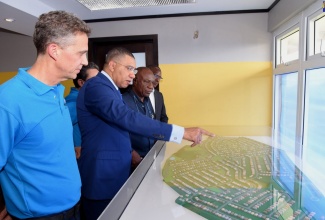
[[73, 75]]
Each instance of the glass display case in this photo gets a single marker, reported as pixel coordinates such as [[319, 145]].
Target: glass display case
[[223, 178]]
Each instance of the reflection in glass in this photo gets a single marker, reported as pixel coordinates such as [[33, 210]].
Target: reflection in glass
[[314, 127], [285, 111], [312, 200], [285, 122]]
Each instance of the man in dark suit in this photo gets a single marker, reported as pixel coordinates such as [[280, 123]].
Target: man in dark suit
[[157, 98], [105, 122], [137, 98]]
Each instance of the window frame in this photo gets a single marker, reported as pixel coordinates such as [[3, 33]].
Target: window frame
[[302, 65], [311, 34], [278, 59]]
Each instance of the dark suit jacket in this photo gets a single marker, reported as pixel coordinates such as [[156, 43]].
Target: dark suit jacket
[[105, 122], [139, 143], [160, 110]]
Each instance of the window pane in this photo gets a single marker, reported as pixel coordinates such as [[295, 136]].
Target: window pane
[[314, 127], [312, 200], [289, 48], [319, 35], [285, 122]]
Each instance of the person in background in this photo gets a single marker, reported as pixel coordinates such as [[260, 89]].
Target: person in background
[[137, 98], [157, 98], [85, 73], [38, 171], [105, 122]]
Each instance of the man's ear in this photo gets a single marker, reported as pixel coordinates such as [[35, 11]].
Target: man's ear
[[53, 51], [80, 82], [111, 65]]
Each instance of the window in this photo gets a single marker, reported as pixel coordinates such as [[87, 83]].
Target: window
[[287, 47], [285, 90], [286, 86], [320, 35], [314, 126], [299, 106], [316, 34]]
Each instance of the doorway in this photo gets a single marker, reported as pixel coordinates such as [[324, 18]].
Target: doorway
[[147, 44]]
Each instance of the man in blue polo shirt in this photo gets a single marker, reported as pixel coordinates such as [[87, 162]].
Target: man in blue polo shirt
[[85, 73], [38, 171]]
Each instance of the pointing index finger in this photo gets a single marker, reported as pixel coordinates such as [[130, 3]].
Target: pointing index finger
[[207, 133]]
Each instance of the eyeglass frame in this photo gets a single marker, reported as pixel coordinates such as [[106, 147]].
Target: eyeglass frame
[[129, 68], [158, 76]]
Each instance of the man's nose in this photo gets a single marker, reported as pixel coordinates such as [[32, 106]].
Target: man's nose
[[132, 75]]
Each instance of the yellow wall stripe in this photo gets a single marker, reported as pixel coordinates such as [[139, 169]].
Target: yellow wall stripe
[[232, 98]]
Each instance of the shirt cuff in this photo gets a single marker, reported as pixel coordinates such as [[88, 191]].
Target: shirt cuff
[[177, 134]]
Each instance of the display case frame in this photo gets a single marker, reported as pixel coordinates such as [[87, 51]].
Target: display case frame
[[121, 200]]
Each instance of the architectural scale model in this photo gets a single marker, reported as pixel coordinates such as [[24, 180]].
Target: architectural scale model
[[239, 178]]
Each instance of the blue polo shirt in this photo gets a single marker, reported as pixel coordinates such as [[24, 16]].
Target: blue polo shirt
[[71, 100], [38, 170]]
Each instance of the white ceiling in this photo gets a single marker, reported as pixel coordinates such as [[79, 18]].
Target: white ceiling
[[26, 12]]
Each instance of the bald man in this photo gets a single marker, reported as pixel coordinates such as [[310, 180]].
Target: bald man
[[137, 98]]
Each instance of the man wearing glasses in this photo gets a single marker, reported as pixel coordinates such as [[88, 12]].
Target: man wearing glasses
[[137, 98], [105, 122], [156, 97]]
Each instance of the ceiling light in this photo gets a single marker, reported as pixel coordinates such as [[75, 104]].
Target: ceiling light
[[111, 4], [9, 19]]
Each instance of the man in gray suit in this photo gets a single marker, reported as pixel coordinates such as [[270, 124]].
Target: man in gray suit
[[156, 97]]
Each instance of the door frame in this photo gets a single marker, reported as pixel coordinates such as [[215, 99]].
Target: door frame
[[125, 41]]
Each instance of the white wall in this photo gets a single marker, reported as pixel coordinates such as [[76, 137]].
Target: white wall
[[222, 38], [285, 10]]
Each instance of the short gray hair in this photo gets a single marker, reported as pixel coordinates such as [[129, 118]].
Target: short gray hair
[[57, 27]]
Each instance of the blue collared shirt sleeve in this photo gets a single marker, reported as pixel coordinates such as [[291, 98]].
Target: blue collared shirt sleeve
[[177, 134], [10, 130]]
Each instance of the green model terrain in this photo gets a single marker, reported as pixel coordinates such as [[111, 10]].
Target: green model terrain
[[231, 178]]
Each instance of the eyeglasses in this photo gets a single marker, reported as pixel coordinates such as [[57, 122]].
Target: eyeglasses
[[129, 68], [158, 76]]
